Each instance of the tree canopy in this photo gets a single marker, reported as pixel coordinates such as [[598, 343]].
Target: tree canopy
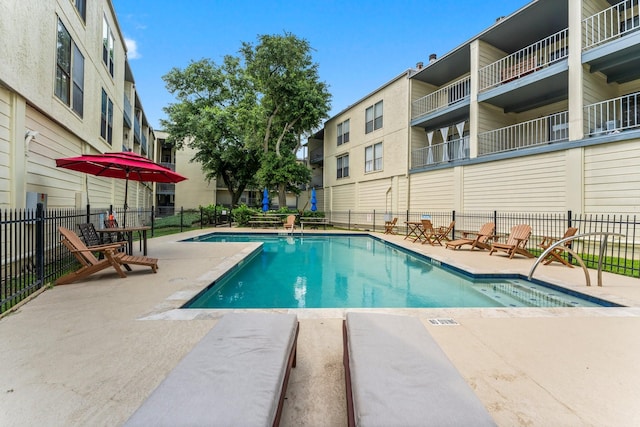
[[246, 118]]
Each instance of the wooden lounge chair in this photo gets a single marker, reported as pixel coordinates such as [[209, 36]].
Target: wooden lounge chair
[[390, 226], [90, 264], [482, 240], [396, 374], [237, 375], [556, 253], [290, 224], [516, 243]]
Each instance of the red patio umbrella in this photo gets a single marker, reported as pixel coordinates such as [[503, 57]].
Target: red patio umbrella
[[124, 165]]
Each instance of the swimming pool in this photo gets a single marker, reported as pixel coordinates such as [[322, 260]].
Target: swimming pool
[[348, 271]]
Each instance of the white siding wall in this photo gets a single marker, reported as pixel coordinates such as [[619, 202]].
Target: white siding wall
[[372, 195], [612, 178], [5, 148], [432, 190], [343, 197], [524, 184]]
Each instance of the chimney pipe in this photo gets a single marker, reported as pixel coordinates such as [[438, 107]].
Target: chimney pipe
[[419, 65], [432, 57]]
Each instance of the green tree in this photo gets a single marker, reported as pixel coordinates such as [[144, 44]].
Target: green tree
[[293, 102], [213, 115]]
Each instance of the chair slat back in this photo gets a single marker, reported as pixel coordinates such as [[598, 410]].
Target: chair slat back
[[519, 235], [74, 243]]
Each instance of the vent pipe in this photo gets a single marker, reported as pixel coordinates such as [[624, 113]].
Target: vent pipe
[[432, 57]]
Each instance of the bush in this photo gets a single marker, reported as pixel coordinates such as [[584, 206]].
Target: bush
[[310, 214], [242, 215]]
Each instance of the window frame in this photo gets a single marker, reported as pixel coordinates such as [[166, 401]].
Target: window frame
[[108, 43], [81, 7], [69, 79], [106, 117], [373, 157], [343, 132], [373, 117], [342, 166]]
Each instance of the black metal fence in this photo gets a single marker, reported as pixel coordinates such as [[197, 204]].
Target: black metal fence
[[621, 254], [32, 256], [30, 249]]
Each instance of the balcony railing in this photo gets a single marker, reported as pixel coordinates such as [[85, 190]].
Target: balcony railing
[[143, 144], [525, 61], [171, 166], [553, 128], [442, 98], [316, 156], [613, 115], [444, 152], [164, 188], [136, 130], [611, 23]]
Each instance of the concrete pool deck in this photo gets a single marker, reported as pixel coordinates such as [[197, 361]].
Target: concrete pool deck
[[90, 353]]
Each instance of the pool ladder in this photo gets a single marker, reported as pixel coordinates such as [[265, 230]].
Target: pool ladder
[[603, 245]]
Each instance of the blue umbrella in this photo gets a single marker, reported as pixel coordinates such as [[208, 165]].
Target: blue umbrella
[[265, 200], [313, 200]]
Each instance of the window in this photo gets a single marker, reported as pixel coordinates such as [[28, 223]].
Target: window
[[107, 46], [373, 118], [343, 166], [373, 157], [106, 118], [81, 5], [343, 132], [69, 68]]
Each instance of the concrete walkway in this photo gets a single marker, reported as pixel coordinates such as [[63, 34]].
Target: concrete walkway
[[89, 353]]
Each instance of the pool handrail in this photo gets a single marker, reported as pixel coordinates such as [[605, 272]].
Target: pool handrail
[[603, 244]]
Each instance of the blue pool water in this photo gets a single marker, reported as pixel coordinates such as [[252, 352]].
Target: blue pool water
[[360, 272]]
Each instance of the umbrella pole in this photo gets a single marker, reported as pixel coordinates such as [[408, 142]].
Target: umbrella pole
[[126, 190]]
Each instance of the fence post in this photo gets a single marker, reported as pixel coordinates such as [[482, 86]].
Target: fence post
[[88, 213], [202, 215], [181, 217], [153, 219], [453, 218], [349, 221], [40, 244], [374, 221], [495, 221]]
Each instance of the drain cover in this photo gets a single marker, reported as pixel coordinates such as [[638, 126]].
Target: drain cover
[[444, 321]]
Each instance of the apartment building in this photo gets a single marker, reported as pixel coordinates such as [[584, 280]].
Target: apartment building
[[66, 89], [540, 112]]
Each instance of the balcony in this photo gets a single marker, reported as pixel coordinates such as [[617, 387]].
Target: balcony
[[143, 144], [171, 166], [545, 130], [316, 156], [444, 152], [610, 24], [136, 130], [441, 99], [613, 115], [611, 42], [525, 61]]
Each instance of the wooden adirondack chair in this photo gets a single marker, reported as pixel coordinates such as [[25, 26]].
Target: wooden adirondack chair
[[290, 224], [556, 253], [516, 243], [91, 264]]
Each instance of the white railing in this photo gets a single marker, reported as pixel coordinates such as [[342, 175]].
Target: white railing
[[612, 115], [525, 61], [553, 128], [456, 149], [611, 23], [442, 98]]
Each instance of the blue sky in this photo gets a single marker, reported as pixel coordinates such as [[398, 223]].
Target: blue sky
[[358, 45]]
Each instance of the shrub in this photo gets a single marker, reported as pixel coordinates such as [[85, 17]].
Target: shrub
[[242, 215]]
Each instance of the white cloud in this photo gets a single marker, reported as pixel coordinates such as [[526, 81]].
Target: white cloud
[[132, 48]]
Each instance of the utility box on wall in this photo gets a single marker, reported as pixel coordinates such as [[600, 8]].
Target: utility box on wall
[[34, 198]]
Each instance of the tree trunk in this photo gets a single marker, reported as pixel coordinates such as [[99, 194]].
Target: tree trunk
[[282, 195]]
